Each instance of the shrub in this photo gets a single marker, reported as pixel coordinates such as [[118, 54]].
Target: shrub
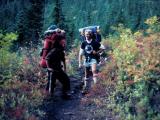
[[10, 61], [138, 71]]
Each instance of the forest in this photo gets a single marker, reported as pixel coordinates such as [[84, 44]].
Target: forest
[[128, 81]]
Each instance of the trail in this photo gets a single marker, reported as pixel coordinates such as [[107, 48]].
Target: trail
[[76, 108]]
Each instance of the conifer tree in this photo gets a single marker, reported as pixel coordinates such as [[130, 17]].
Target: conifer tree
[[21, 28], [58, 16], [60, 21], [35, 21]]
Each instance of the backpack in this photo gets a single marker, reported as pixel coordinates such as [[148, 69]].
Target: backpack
[[95, 33], [47, 46], [49, 40]]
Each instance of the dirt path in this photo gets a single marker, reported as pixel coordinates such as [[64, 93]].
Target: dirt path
[[75, 109]]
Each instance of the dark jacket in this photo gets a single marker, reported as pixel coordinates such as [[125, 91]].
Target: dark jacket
[[55, 57]]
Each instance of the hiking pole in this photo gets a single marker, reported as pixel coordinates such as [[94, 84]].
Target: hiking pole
[[50, 81]]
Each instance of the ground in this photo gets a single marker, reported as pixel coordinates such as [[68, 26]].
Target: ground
[[79, 107]]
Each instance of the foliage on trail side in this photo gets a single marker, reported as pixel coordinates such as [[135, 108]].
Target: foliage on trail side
[[23, 93], [22, 81], [9, 60], [136, 72]]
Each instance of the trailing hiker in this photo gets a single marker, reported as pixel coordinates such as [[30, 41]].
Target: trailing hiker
[[90, 49], [53, 56]]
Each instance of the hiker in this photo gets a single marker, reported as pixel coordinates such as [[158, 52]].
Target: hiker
[[53, 55], [90, 49]]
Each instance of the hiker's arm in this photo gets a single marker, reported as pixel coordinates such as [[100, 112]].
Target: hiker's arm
[[64, 62], [45, 48], [48, 66], [64, 65], [101, 48], [81, 52], [48, 62]]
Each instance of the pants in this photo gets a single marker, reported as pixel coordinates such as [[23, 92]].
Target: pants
[[62, 77]]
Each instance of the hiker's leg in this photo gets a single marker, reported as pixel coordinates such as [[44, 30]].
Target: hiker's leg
[[94, 71], [86, 79], [53, 82], [64, 79], [87, 72]]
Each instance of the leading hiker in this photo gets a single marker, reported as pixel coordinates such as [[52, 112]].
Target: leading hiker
[[54, 60]]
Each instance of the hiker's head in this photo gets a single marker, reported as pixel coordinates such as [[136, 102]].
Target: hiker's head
[[60, 31], [51, 30], [88, 34], [52, 27]]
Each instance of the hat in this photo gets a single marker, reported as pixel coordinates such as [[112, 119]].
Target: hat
[[51, 29]]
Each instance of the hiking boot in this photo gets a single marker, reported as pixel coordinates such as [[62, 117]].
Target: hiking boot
[[85, 91], [66, 96]]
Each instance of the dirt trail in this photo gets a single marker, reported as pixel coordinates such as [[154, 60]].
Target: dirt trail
[[57, 108]]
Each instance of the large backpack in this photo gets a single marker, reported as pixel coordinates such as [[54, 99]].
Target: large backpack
[[47, 46], [95, 32], [49, 40]]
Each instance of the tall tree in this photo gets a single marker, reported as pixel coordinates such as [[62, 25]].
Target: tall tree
[[58, 16], [35, 21], [21, 28], [60, 21]]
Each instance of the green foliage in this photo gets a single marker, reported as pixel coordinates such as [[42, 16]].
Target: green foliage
[[6, 40], [59, 19], [137, 90], [10, 62], [72, 62], [20, 100], [22, 95], [124, 50], [34, 22], [105, 13], [153, 24]]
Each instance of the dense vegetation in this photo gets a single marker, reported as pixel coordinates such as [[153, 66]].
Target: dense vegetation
[[34, 16], [137, 72], [132, 72]]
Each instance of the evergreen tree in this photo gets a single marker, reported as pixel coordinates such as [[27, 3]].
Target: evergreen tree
[[21, 28], [35, 21], [60, 21], [89, 20], [58, 16], [105, 13]]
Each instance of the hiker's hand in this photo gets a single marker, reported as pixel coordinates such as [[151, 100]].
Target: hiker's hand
[[50, 69], [80, 65], [94, 52], [65, 70]]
